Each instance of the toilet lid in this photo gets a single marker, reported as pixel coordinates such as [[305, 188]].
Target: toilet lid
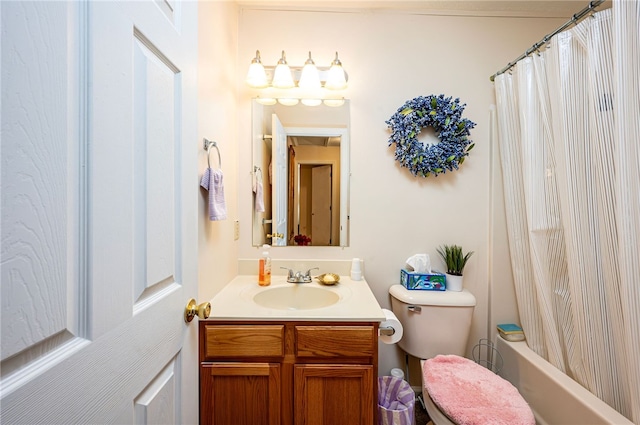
[[470, 394]]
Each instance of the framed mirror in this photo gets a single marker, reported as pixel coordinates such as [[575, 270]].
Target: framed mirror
[[300, 175]]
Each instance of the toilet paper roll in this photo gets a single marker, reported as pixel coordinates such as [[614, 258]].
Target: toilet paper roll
[[391, 321]]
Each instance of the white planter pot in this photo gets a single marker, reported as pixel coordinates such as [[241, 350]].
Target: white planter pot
[[454, 283]]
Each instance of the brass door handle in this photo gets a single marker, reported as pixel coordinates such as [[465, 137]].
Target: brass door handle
[[192, 309], [275, 235]]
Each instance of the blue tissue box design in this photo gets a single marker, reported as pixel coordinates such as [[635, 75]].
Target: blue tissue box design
[[423, 281]]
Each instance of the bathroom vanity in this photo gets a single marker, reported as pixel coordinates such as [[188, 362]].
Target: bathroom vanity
[[283, 359]]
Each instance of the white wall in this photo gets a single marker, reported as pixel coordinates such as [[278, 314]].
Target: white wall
[[391, 58], [217, 118]]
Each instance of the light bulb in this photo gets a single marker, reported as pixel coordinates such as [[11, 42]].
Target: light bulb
[[310, 79], [336, 80], [257, 77], [282, 78]]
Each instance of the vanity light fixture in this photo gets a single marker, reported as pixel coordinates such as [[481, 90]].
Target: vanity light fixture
[[282, 78], [337, 79], [310, 84], [257, 76], [310, 79]]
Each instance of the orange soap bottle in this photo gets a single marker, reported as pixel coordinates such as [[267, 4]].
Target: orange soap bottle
[[264, 269]]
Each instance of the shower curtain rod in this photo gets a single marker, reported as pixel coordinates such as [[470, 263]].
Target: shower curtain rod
[[574, 20]]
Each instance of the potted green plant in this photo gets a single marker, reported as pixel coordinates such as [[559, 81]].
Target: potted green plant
[[455, 261]]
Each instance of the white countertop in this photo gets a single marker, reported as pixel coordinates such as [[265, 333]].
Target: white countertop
[[235, 302]]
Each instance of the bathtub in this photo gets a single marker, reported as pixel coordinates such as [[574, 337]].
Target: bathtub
[[554, 398]]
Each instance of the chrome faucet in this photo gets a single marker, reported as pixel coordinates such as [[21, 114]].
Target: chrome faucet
[[298, 277]]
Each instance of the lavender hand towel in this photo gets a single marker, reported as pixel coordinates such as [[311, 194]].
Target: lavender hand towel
[[212, 181]]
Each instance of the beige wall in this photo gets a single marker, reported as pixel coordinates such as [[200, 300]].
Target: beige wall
[[217, 118], [390, 58]]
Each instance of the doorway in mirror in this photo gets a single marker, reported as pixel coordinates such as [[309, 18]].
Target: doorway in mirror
[[306, 150]]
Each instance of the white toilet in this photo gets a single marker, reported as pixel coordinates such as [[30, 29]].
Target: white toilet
[[433, 322], [436, 328]]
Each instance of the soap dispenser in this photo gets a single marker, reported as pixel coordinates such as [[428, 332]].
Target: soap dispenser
[[264, 270]]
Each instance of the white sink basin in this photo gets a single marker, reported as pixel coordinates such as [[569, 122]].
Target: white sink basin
[[244, 299], [298, 297]]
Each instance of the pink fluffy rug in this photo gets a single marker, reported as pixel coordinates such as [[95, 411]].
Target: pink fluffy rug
[[470, 394]]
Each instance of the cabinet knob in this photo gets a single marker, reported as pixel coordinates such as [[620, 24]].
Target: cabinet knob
[[192, 309]]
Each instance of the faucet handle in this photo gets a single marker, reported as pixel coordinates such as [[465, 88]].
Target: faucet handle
[[307, 275], [289, 273]]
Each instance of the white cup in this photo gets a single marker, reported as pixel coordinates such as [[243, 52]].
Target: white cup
[[356, 271]]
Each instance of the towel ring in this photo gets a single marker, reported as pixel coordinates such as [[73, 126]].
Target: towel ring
[[257, 170], [207, 147]]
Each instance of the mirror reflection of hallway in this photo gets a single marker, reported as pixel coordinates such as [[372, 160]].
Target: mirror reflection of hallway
[[318, 135]]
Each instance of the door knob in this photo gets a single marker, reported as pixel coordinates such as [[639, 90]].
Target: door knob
[[192, 309], [275, 235]]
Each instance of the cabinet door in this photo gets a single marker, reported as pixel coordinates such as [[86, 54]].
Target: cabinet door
[[334, 394], [240, 393]]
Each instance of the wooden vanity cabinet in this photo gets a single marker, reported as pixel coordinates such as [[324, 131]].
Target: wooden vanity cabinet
[[286, 373]]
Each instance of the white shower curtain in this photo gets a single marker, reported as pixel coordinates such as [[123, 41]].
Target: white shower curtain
[[569, 137]]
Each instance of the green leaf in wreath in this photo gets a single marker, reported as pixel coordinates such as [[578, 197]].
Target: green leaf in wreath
[[470, 147], [461, 160], [437, 170], [447, 121], [420, 114], [412, 134], [434, 103], [432, 113], [451, 158], [406, 111]]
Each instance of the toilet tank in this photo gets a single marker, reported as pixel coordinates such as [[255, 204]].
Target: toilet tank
[[433, 322]]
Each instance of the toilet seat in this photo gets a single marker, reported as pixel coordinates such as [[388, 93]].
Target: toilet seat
[[435, 414], [466, 393]]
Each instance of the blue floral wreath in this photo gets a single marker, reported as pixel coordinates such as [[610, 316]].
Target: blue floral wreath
[[445, 116]]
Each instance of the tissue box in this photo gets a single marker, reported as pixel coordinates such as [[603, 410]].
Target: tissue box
[[423, 281]]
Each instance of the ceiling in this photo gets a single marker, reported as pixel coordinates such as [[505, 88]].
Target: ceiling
[[513, 8]]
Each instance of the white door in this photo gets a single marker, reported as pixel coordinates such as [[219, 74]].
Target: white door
[[99, 217], [280, 177]]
